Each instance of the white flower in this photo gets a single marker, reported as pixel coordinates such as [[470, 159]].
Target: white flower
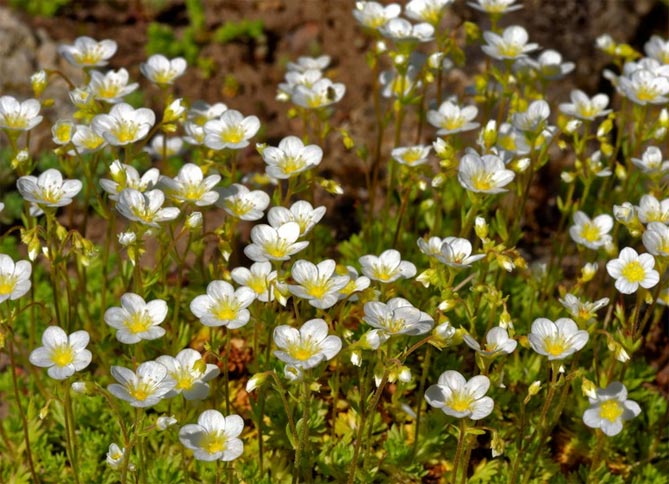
[[62, 131], [558, 339], [645, 87], [145, 388], [86, 140], [411, 155], [497, 341], [399, 85], [137, 320], [127, 238], [460, 398], [456, 252], [305, 63], [242, 203], [374, 15], [269, 243], [194, 221], [14, 278], [111, 86], [223, 305], [115, 456], [496, 7], [145, 208], [512, 44], [62, 354], [19, 116], [386, 267], [631, 270], [290, 158], [397, 316], [549, 65], [610, 408], [401, 30], [534, 119], [165, 421], [317, 283], [450, 118], [297, 78], [650, 209], [124, 124], [161, 70], [583, 107], [355, 284], [161, 148], [49, 189], [260, 278], [430, 247], [483, 174], [651, 161], [429, 11], [307, 347], [322, 93], [594, 233], [582, 311], [87, 52], [214, 437], [300, 212], [658, 49], [656, 239], [126, 176], [190, 185], [190, 373], [232, 130]]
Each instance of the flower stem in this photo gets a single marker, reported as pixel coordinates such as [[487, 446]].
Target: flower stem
[[70, 436], [459, 450]]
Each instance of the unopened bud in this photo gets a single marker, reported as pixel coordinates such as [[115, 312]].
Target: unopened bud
[[39, 82], [165, 421]]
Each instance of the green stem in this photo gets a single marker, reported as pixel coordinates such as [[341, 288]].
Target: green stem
[[70, 435], [459, 449]]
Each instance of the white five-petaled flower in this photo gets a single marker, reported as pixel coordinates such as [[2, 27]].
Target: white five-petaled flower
[[191, 186], [62, 131], [126, 176], [111, 87], [460, 398], [429, 11], [269, 243], [497, 341], [457, 252], [411, 155], [19, 116], [124, 124], [307, 347], [631, 270], [584, 107], [651, 209], [290, 157], [374, 15], [136, 320], [144, 388], [558, 339], [161, 70], [397, 316], [62, 354], [483, 174], [401, 30], [49, 189], [214, 437], [582, 311], [594, 233], [305, 63], [242, 203], [260, 278], [321, 93], [115, 456], [386, 267], [87, 52], [656, 239], [145, 208], [533, 120], [645, 87], [495, 7], [159, 147], [223, 305], [86, 140], [450, 118], [232, 130], [300, 212], [190, 373], [609, 408], [430, 247], [651, 161], [548, 65], [14, 278], [512, 44], [317, 283]]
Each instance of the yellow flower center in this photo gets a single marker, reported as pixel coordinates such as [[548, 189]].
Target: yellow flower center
[[138, 322], [302, 351], [460, 402], [213, 442], [225, 311], [233, 135], [590, 232], [109, 90], [141, 392], [382, 273], [257, 284], [646, 93], [184, 380], [510, 50], [412, 156], [587, 110], [277, 249], [482, 181], [318, 289], [556, 346], [63, 133], [92, 142], [164, 77], [192, 192], [50, 194], [62, 355], [291, 164], [454, 122], [89, 56], [15, 121], [126, 132], [239, 206], [7, 284], [611, 410], [633, 271]]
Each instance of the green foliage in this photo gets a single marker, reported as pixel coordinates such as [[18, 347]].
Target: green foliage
[[43, 8], [232, 31]]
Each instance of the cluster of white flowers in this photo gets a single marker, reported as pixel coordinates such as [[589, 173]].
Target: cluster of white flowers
[[306, 86]]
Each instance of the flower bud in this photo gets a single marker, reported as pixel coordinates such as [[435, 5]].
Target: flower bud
[[588, 272], [164, 422], [532, 391], [573, 125], [588, 388], [174, 112], [481, 228], [194, 220], [256, 381], [127, 238], [356, 358], [62, 131], [39, 82], [82, 387]]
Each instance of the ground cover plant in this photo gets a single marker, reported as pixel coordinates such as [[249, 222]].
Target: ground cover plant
[[442, 342]]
